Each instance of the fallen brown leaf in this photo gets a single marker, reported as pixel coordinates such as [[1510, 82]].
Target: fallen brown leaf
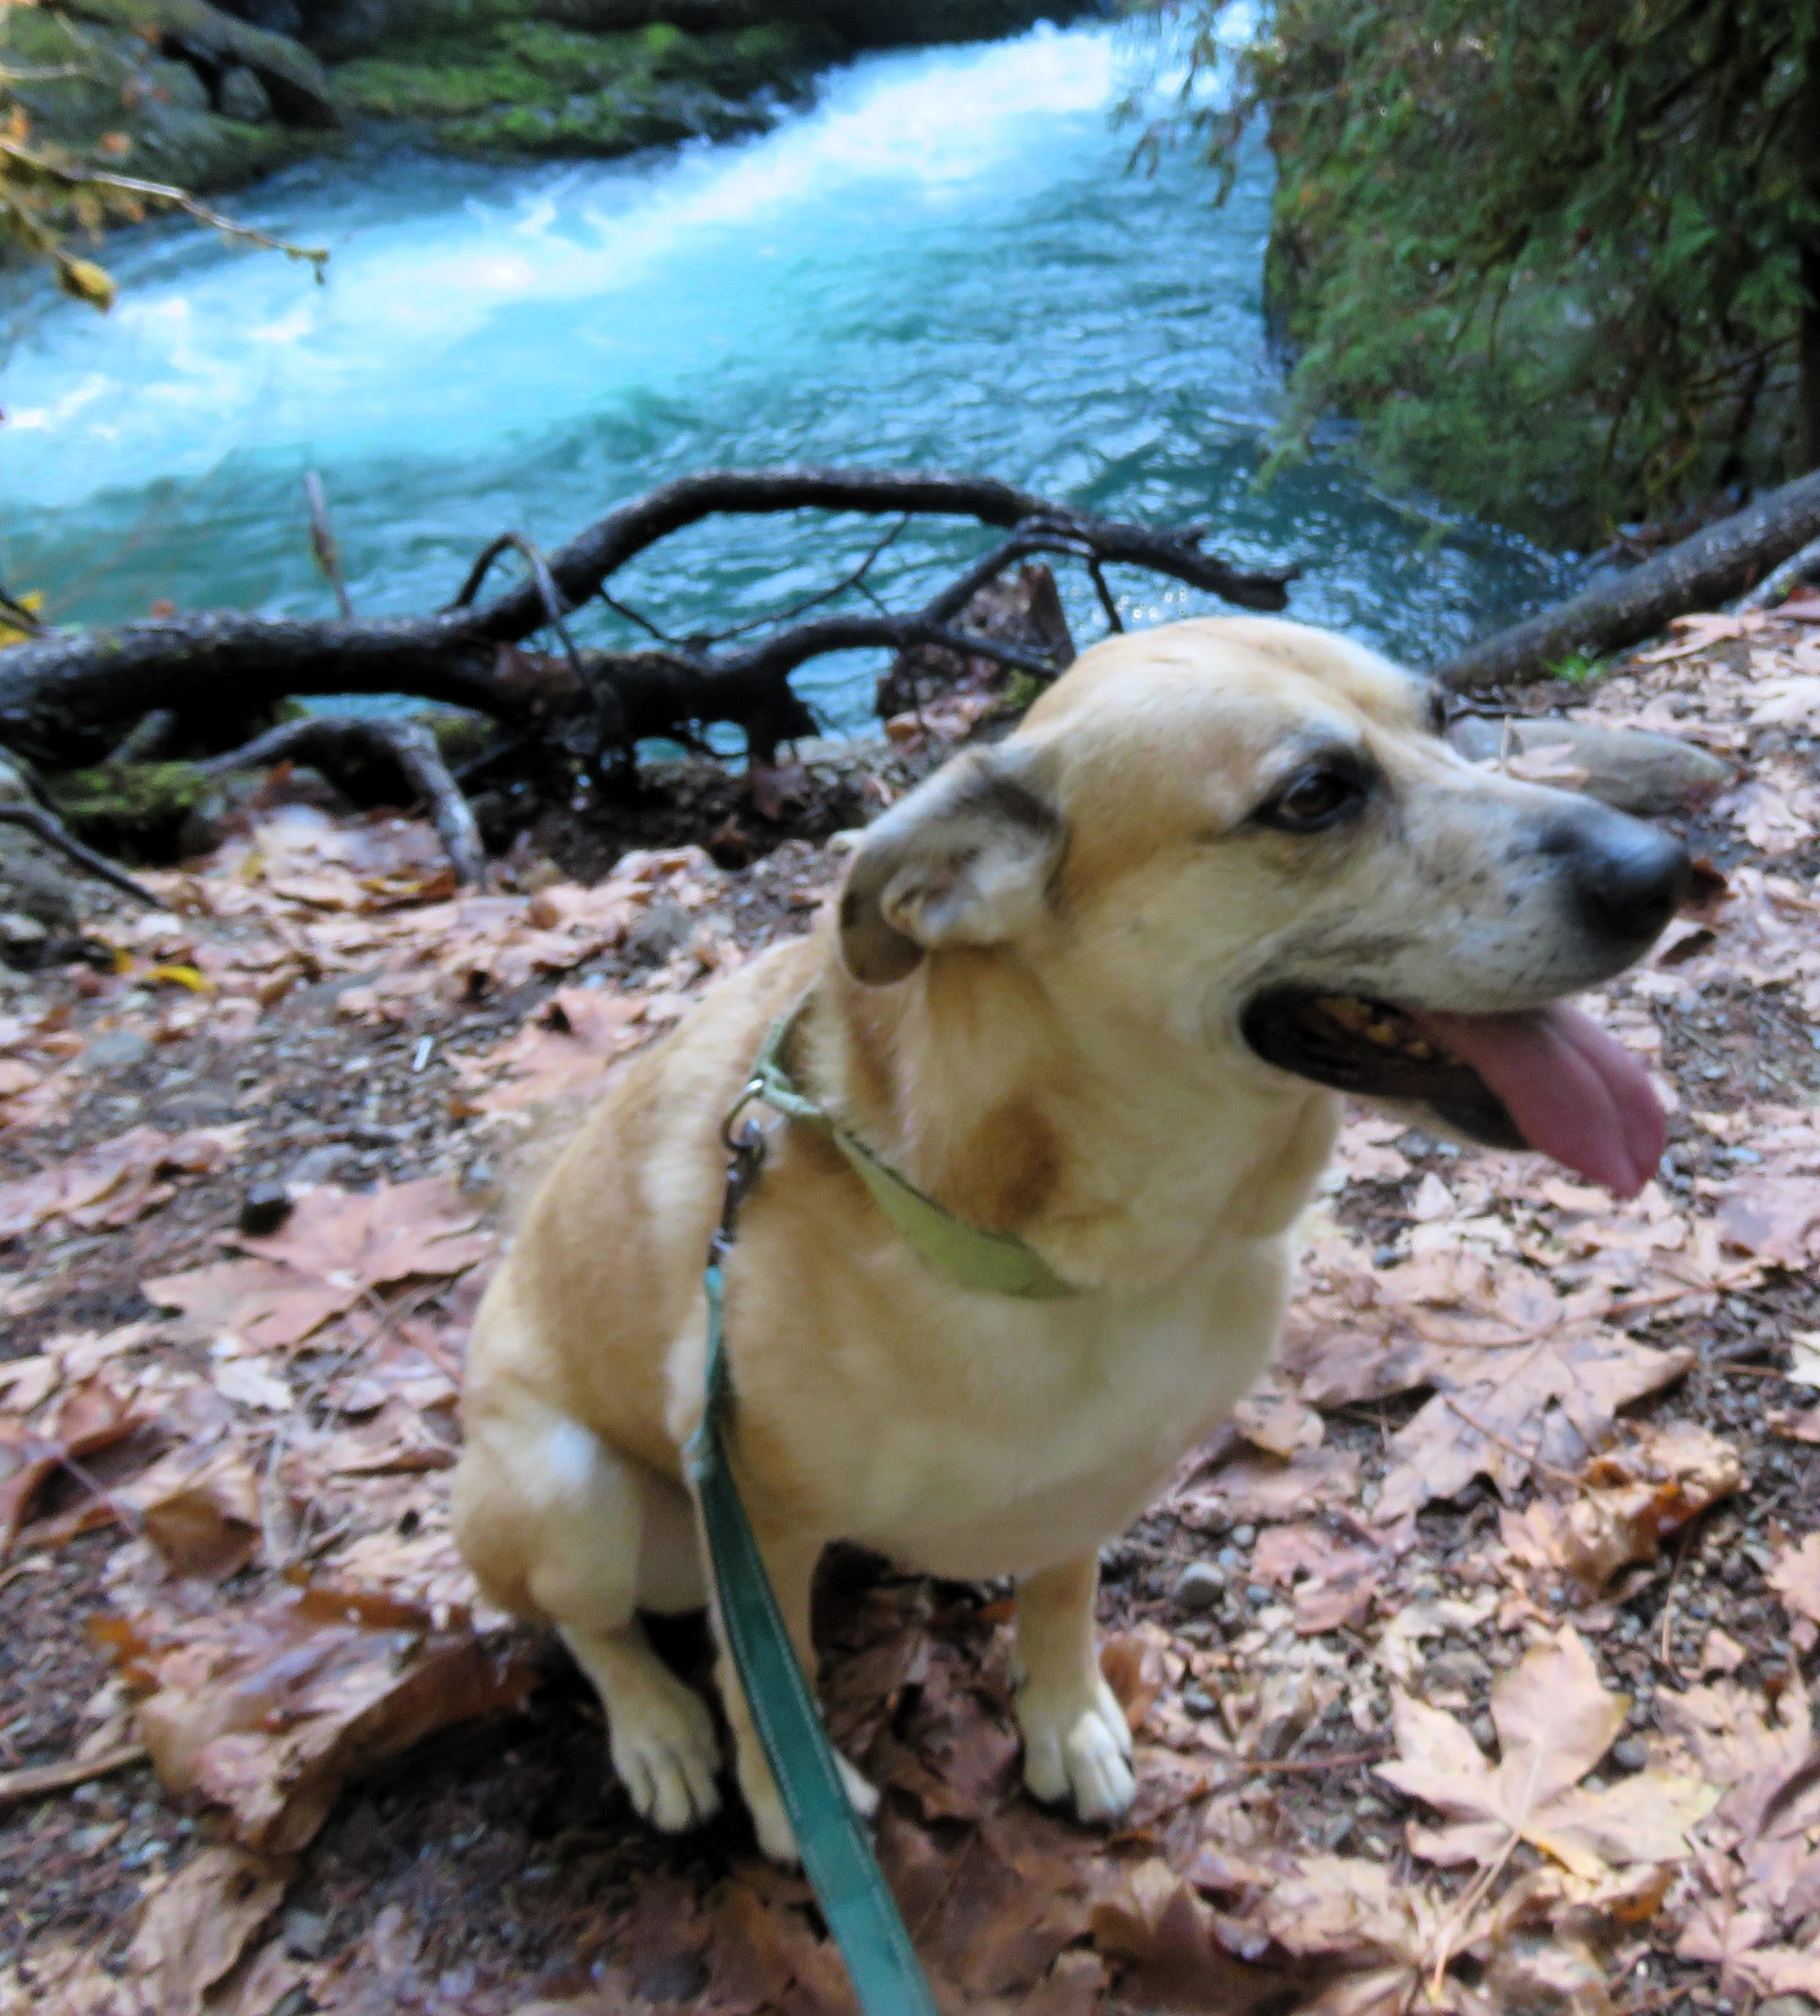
[[1796, 1579], [196, 1928], [1501, 1413], [336, 1247], [1627, 1500], [267, 1711], [114, 1182], [1555, 1721]]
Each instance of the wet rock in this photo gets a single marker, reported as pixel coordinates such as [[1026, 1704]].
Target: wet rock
[[241, 95], [1199, 1586], [1647, 775]]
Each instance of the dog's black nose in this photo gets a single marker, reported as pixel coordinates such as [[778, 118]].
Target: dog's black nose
[[1628, 878]]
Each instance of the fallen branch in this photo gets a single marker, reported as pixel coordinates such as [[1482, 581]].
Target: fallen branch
[[1778, 585], [330, 740], [49, 828], [1714, 565], [65, 695], [34, 1783]]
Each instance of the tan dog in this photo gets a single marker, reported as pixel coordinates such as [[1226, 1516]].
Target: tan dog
[[1091, 986]]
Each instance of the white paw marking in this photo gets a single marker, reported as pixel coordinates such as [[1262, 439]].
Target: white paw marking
[[666, 1756], [1080, 1755], [777, 1837]]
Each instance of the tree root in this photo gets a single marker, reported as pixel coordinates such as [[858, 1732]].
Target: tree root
[[49, 828], [66, 695], [331, 740]]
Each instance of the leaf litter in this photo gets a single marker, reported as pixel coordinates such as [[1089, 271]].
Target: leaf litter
[[1469, 1667]]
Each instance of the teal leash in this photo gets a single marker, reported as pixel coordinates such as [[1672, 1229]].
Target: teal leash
[[837, 1854]]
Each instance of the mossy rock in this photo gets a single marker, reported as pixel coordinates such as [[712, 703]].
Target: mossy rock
[[136, 810], [89, 87], [533, 86]]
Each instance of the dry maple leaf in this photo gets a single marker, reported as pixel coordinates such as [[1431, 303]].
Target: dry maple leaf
[[196, 1928], [1389, 1937], [91, 1418], [1626, 1501], [1339, 1574], [565, 1047], [1177, 1948], [267, 1712], [114, 1182], [1796, 1579], [1555, 1721], [1501, 1412], [335, 1247]]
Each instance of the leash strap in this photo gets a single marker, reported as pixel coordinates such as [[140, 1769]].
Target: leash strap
[[837, 1854]]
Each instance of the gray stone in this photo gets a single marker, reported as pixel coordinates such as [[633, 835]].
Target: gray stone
[[1631, 1752], [1644, 774], [305, 1934], [241, 95], [17, 929], [116, 1050], [1199, 1586]]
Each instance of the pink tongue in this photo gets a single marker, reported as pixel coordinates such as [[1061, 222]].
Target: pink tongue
[[1574, 1092]]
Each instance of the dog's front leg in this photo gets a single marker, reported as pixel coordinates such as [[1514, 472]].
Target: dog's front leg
[[1077, 1743], [791, 1564]]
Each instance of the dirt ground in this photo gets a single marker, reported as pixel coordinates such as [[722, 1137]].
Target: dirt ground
[[1470, 1667]]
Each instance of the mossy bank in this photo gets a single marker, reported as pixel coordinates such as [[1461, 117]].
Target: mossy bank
[[212, 97]]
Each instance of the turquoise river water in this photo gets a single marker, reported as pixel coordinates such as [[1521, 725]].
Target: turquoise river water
[[942, 264]]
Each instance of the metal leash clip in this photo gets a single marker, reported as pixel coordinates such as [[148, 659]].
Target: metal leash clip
[[745, 1149]]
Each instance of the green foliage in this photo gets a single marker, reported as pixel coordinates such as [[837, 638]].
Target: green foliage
[[1560, 260], [1578, 668]]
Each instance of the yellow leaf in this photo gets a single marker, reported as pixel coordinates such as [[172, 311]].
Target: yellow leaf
[[181, 976], [87, 281]]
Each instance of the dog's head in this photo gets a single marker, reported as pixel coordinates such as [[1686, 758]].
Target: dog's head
[[1253, 831]]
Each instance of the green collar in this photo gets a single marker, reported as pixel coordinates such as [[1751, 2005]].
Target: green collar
[[993, 1263]]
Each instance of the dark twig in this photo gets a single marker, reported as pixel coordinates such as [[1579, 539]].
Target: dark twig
[[20, 617], [643, 622], [856, 579], [49, 828], [1096, 574], [323, 543], [336, 738]]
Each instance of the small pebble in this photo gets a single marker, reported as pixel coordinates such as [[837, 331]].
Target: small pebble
[[1244, 1536], [1199, 1586], [1631, 1752], [264, 1209], [1197, 1701], [1484, 1732]]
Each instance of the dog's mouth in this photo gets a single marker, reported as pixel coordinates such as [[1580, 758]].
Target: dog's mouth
[[1547, 1078]]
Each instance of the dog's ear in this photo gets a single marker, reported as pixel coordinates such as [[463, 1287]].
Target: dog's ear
[[965, 859]]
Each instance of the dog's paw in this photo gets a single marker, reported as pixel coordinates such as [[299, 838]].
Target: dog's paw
[[777, 1837], [667, 1755], [1080, 1755]]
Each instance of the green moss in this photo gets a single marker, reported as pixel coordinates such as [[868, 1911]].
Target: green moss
[[529, 87]]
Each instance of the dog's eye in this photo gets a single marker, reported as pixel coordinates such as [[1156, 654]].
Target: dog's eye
[[1313, 800]]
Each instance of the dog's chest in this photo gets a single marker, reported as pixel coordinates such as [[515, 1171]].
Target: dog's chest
[[1060, 1426]]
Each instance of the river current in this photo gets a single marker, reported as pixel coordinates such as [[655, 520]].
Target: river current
[[944, 264]]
